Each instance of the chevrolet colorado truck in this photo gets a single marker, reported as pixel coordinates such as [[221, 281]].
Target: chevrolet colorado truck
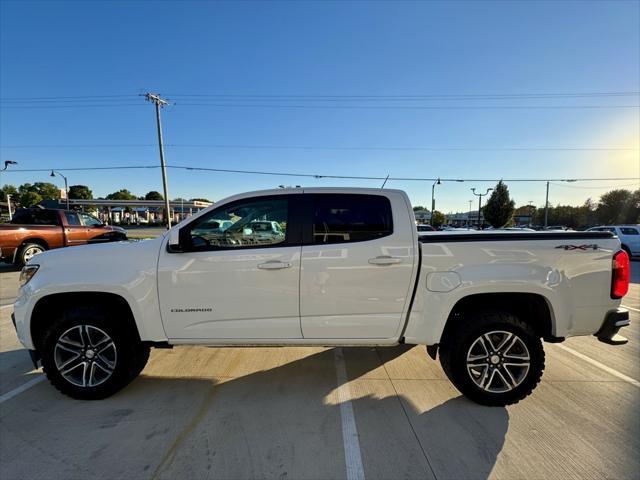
[[34, 230], [335, 267]]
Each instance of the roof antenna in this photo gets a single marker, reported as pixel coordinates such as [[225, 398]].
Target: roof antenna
[[385, 182]]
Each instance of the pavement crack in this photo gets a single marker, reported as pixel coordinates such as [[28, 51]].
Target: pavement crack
[[170, 454]]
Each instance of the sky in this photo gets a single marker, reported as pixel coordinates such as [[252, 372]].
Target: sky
[[457, 90]]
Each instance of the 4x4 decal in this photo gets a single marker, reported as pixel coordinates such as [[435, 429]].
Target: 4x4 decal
[[591, 246]]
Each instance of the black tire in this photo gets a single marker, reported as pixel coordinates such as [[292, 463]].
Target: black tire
[[28, 251], [467, 339], [126, 359]]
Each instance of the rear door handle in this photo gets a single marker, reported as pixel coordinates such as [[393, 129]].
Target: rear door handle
[[384, 260], [273, 265]]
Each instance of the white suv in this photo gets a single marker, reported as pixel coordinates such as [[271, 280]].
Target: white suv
[[629, 236]]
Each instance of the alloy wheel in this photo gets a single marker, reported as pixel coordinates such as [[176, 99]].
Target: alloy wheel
[[85, 356], [498, 361]]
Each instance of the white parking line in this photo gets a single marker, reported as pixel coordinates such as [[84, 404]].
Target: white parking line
[[352, 456], [22, 388], [631, 308], [601, 366]]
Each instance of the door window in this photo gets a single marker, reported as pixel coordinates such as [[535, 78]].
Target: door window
[[339, 218], [252, 223], [89, 220], [629, 231], [72, 218]]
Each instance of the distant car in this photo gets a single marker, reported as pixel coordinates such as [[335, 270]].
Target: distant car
[[564, 228], [425, 228], [34, 230], [266, 230], [629, 236]]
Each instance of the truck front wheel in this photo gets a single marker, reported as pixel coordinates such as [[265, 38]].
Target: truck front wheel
[[89, 356], [493, 358]]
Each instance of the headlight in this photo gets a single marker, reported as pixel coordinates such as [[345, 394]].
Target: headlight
[[27, 272]]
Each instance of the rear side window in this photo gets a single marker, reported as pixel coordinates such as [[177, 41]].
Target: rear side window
[[339, 218], [35, 217], [629, 231]]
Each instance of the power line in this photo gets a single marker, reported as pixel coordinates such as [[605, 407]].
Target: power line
[[342, 96], [329, 147], [407, 107], [320, 176], [418, 96], [596, 186]]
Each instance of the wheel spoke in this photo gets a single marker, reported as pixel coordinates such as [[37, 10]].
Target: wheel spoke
[[487, 337], [105, 364], [75, 350], [508, 379], [69, 362], [487, 385], [71, 368], [104, 347], [509, 339]]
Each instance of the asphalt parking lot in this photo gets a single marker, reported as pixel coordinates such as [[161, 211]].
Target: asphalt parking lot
[[319, 413]]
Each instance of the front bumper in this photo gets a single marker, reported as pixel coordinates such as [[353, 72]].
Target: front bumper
[[613, 322]]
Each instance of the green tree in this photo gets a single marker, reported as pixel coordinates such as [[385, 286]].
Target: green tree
[[80, 192], [122, 194], [153, 195], [418, 208], [29, 198], [632, 211], [613, 205], [438, 219], [8, 190], [499, 209]]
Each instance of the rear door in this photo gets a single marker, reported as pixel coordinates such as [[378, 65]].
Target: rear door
[[357, 265]]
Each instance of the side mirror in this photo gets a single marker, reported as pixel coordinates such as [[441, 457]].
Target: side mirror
[[174, 240]]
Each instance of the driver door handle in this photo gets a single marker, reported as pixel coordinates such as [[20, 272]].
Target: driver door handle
[[274, 265], [384, 260]]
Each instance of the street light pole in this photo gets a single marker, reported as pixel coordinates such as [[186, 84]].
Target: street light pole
[[480, 195], [159, 103], [9, 205], [66, 185], [546, 207], [433, 199]]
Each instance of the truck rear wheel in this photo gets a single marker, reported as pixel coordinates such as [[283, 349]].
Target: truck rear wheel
[[27, 252], [493, 358], [88, 355]]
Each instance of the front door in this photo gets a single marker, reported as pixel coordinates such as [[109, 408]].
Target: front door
[[238, 279], [75, 232]]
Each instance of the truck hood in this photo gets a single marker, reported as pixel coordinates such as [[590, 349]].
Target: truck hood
[[103, 256]]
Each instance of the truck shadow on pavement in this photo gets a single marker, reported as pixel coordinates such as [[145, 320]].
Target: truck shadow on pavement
[[284, 422]]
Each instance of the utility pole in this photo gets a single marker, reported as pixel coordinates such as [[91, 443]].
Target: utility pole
[[530, 213], [546, 207], [480, 195], [159, 103]]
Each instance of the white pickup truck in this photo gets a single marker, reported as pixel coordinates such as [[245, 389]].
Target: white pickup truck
[[336, 266]]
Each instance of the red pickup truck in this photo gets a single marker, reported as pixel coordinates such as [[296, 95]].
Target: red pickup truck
[[34, 230]]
